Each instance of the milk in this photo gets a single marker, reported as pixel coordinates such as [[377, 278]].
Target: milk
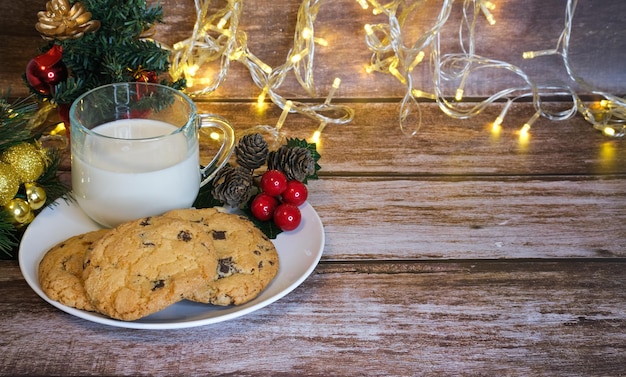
[[120, 180]]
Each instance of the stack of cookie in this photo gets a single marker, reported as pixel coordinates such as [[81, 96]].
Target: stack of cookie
[[146, 265]]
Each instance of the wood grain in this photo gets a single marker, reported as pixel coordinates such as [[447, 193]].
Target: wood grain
[[373, 144], [459, 251], [471, 218], [450, 318], [597, 46]]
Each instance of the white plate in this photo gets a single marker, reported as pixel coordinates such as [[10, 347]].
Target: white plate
[[299, 252]]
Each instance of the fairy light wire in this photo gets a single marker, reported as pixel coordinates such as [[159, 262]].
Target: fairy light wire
[[451, 71], [217, 38]]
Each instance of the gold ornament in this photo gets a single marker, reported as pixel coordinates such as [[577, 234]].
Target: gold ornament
[[35, 195], [27, 160], [20, 210], [9, 183], [61, 22]]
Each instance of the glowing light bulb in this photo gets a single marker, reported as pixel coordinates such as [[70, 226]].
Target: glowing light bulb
[[316, 136], [489, 5], [297, 57], [394, 71], [500, 118], [223, 21], [307, 33], [534, 54], [526, 127], [283, 115], [333, 89], [264, 67], [191, 70], [418, 59], [488, 15], [459, 94], [261, 99], [609, 131], [421, 94], [498, 122], [318, 133]]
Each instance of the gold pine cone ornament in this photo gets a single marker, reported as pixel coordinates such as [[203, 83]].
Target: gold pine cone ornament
[[61, 21]]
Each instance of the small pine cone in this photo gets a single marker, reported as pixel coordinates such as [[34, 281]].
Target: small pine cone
[[251, 151], [62, 21], [296, 162], [232, 185]]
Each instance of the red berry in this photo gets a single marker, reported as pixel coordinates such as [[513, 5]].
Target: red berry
[[263, 206], [287, 216], [273, 182], [295, 193]]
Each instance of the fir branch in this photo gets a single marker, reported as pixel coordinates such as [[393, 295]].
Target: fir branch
[[14, 121], [50, 181], [8, 238]]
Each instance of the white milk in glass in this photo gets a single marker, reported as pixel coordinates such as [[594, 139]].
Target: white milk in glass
[[121, 180]]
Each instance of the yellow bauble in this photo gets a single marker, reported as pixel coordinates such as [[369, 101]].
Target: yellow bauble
[[27, 160], [9, 183], [20, 210], [36, 195]]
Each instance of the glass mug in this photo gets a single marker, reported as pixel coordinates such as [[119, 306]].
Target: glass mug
[[135, 151]]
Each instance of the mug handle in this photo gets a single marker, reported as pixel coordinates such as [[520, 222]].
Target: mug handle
[[226, 150]]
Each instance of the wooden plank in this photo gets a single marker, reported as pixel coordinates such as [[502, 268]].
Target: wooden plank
[[520, 26], [460, 318], [373, 144], [471, 218], [476, 217]]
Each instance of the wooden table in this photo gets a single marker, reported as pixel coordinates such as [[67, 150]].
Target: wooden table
[[454, 252], [459, 251]]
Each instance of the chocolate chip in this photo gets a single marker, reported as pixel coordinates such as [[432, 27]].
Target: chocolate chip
[[148, 243], [145, 221], [219, 234], [225, 267], [184, 236], [158, 284], [256, 252]]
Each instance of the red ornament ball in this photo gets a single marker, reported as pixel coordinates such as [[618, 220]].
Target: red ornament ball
[[45, 71]]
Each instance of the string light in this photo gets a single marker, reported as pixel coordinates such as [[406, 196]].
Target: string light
[[218, 39], [390, 55]]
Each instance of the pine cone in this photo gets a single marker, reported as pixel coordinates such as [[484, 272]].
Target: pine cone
[[251, 151], [296, 162], [61, 22], [232, 185]]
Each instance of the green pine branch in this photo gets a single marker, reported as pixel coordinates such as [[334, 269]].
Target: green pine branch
[[115, 52]]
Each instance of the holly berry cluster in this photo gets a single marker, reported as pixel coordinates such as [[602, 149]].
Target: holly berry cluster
[[269, 187], [279, 200]]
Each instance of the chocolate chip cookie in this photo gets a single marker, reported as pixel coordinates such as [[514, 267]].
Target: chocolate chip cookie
[[247, 259], [61, 270], [143, 266]]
